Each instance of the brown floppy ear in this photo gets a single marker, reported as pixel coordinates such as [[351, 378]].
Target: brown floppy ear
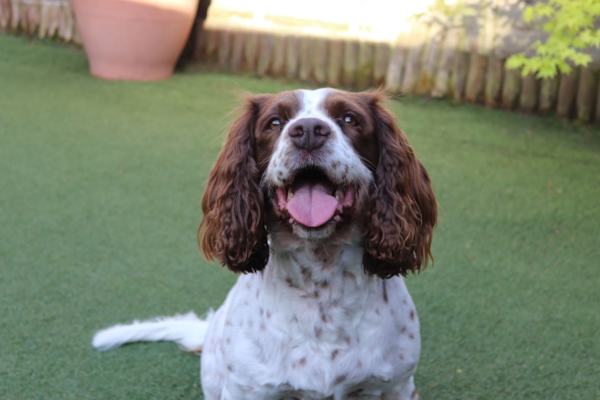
[[233, 228], [402, 208]]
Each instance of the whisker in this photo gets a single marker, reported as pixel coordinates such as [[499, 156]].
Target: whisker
[[369, 163], [266, 160]]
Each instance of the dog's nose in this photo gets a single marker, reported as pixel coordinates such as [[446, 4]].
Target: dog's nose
[[309, 133]]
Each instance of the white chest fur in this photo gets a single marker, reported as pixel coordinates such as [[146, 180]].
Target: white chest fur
[[312, 325]]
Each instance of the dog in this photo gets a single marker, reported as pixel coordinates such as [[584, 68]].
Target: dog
[[319, 202]]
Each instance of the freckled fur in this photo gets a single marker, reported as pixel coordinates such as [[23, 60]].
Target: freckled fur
[[317, 314]]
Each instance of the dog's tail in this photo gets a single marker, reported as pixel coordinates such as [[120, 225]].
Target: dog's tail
[[186, 330]]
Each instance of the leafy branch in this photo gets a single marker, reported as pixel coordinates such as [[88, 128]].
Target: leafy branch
[[570, 24], [447, 15]]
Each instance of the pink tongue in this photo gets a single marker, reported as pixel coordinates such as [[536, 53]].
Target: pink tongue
[[312, 204]]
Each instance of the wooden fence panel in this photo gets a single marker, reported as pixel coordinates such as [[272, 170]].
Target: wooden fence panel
[[33, 20], [529, 94], [237, 51], [476, 77], [212, 44], [548, 94], [493, 83], [567, 91], [266, 45], [250, 51], [350, 67], [5, 15], [393, 78], [292, 60], [431, 56], [597, 116], [511, 88], [307, 49], [278, 64], [459, 75], [67, 23], [441, 64], [198, 51], [444, 71], [334, 64], [586, 94], [364, 77], [319, 74], [224, 49], [382, 60], [413, 63]]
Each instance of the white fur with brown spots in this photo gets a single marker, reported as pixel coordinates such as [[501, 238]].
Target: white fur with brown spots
[[311, 324]]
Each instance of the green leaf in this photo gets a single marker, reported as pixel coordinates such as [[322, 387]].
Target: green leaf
[[516, 61]]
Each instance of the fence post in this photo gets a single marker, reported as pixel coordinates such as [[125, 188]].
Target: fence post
[[320, 60], [250, 51], [266, 43], [430, 61], [350, 63], [413, 63], [586, 94], [459, 75], [529, 94], [17, 16], [567, 91], [393, 77], [511, 88], [597, 115], [459, 67], [307, 49], [444, 72], [334, 64], [366, 51], [475, 79], [548, 92], [198, 52], [382, 60], [212, 44], [493, 84], [481, 48], [237, 51], [278, 63], [292, 50], [224, 49], [5, 15]]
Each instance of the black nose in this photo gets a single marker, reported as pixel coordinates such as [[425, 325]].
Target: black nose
[[309, 133]]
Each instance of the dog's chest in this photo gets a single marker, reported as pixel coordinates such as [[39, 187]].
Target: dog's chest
[[307, 332]]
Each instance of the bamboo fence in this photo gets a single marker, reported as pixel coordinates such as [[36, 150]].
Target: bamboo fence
[[44, 18], [427, 61], [437, 65]]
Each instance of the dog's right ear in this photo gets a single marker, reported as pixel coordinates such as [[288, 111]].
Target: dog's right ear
[[233, 227]]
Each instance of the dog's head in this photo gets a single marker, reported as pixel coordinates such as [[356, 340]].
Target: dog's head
[[315, 164]]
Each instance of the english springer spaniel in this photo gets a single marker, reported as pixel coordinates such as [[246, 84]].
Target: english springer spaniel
[[319, 201]]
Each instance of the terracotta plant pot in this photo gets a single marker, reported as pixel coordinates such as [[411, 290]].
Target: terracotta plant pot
[[134, 39]]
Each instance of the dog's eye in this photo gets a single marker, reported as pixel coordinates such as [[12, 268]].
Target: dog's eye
[[350, 120], [274, 124]]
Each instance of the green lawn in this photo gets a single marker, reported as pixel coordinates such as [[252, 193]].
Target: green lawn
[[100, 188]]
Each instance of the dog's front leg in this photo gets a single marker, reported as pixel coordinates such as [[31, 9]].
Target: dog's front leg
[[404, 392]]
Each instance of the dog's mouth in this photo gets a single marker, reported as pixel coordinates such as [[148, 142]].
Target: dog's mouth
[[313, 200]]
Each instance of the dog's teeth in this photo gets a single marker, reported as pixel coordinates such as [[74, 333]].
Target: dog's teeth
[[290, 194], [339, 195], [291, 221]]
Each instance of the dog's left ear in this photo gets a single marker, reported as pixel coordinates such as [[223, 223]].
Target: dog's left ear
[[402, 207], [233, 228]]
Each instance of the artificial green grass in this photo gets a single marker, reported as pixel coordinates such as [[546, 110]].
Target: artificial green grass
[[100, 188]]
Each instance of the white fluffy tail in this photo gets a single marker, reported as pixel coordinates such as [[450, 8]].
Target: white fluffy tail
[[186, 330]]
